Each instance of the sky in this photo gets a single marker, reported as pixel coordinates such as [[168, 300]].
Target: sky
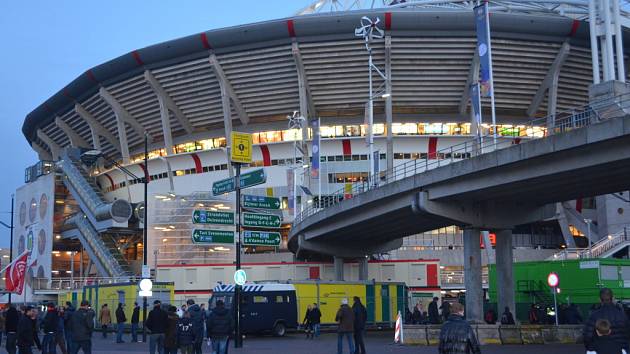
[[47, 44]]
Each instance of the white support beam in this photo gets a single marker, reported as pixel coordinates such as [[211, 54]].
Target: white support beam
[[97, 129], [220, 75], [305, 111], [388, 105], [550, 79], [473, 76], [168, 101], [75, 139], [227, 122], [42, 154], [304, 89], [122, 114], [165, 116], [52, 145]]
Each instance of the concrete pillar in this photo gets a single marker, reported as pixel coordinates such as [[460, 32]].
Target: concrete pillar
[[338, 263], [363, 268], [472, 275], [505, 260]]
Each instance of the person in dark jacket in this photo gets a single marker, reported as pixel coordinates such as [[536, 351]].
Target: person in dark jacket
[[220, 325], [345, 319], [308, 326], [135, 320], [490, 317], [614, 315], [185, 334], [81, 327], [446, 310], [507, 318], [197, 318], [457, 336], [10, 326], [156, 323], [533, 315], [434, 315], [26, 332], [67, 315], [604, 344], [316, 319], [170, 336], [50, 326], [60, 338], [35, 321], [121, 319], [360, 318], [573, 315], [416, 315]]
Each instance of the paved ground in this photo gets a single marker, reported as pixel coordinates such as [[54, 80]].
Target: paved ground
[[327, 344]]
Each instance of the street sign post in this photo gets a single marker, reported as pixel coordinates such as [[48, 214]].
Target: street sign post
[[260, 202], [553, 280], [267, 221], [248, 179], [203, 236], [212, 217], [261, 238], [241, 147]]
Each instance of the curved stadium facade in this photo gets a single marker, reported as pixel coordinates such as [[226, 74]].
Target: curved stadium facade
[[185, 95]]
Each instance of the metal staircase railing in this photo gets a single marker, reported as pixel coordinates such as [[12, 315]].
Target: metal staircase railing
[[598, 248]]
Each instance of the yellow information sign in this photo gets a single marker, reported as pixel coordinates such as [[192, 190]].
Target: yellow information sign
[[241, 149]]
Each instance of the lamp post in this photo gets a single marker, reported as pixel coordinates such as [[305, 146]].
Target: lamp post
[[588, 234], [10, 227]]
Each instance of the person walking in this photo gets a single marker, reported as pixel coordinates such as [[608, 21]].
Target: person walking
[[614, 315], [360, 319], [105, 319], [457, 336], [507, 318], [135, 320], [2, 323], [434, 316], [11, 324], [220, 325], [35, 322], [316, 319], [416, 315], [197, 318], [67, 315], [121, 319], [605, 344], [345, 319], [60, 338], [308, 328], [533, 314], [81, 327], [50, 326], [170, 335], [26, 332], [186, 334], [156, 323], [446, 310]]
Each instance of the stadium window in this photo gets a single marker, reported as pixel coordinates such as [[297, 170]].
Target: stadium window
[[383, 156], [331, 158], [415, 156], [224, 167], [339, 158], [406, 156], [347, 158], [274, 162], [179, 173], [205, 169], [356, 157], [364, 157], [398, 156]]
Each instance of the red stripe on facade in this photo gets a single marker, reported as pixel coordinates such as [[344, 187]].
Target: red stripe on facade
[[432, 275], [146, 173], [111, 181], [91, 76], [136, 56], [388, 21], [432, 148], [204, 41], [288, 263], [198, 167], [347, 147], [574, 27], [419, 288], [290, 28], [578, 205], [265, 154], [67, 94], [193, 292]]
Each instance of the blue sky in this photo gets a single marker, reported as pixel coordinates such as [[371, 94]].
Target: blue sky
[[46, 44]]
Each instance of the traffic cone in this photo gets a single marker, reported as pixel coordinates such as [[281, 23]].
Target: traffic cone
[[399, 336]]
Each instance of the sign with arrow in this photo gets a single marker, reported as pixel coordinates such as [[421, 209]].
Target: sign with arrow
[[260, 202], [261, 238], [202, 236], [248, 179], [212, 217], [261, 220]]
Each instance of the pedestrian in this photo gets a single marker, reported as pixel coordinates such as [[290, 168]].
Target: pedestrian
[[220, 325], [34, 322], [2, 323], [614, 315], [181, 311], [156, 323], [533, 314], [81, 327], [204, 317], [60, 338], [345, 320], [135, 320], [446, 310], [490, 317], [170, 335], [360, 319], [121, 319], [316, 319], [457, 336], [604, 343], [306, 323], [416, 315], [11, 323], [186, 334], [50, 327], [507, 318], [573, 315], [105, 319], [434, 316], [197, 318], [67, 315], [26, 332]]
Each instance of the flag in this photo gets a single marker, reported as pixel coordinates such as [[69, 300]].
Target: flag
[[16, 274], [475, 99], [315, 149], [483, 47], [291, 189]]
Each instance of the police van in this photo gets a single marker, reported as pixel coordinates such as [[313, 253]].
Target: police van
[[264, 307]]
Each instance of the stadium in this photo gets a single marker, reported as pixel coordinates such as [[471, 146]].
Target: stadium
[[180, 100]]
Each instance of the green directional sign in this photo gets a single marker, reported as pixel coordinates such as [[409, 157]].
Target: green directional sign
[[223, 186], [261, 238], [259, 202], [261, 220], [200, 236], [248, 179], [212, 217]]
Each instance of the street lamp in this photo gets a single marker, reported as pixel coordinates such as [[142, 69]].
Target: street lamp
[[10, 227], [588, 233]]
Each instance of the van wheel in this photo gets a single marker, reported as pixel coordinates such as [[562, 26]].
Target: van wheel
[[279, 329]]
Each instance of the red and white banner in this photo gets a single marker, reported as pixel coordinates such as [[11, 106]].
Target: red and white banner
[[16, 274]]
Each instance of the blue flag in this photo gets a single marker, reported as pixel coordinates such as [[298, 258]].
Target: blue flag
[[315, 149], [484, 50]]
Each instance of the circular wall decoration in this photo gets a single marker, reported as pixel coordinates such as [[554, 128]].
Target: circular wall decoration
[[41, 241], [43, 206], [21, 244], [22, 213], [32, 210]]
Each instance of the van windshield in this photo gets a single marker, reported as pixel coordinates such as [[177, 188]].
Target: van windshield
[[226, 297]]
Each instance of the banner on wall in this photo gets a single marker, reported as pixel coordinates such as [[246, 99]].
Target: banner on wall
[[291, 191], [484, 49], [315, 149]]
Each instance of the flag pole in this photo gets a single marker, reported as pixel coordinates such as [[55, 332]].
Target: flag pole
[[492, 105]]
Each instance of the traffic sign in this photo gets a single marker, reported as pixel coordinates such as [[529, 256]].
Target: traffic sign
[[240, 277], [261, 238], [212, 236], [553, 280], [259, 202], [241, 148], [212, 217], [261, 220], [248, 179]]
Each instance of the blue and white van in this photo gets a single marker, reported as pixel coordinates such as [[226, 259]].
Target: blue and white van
[[264, 307]]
